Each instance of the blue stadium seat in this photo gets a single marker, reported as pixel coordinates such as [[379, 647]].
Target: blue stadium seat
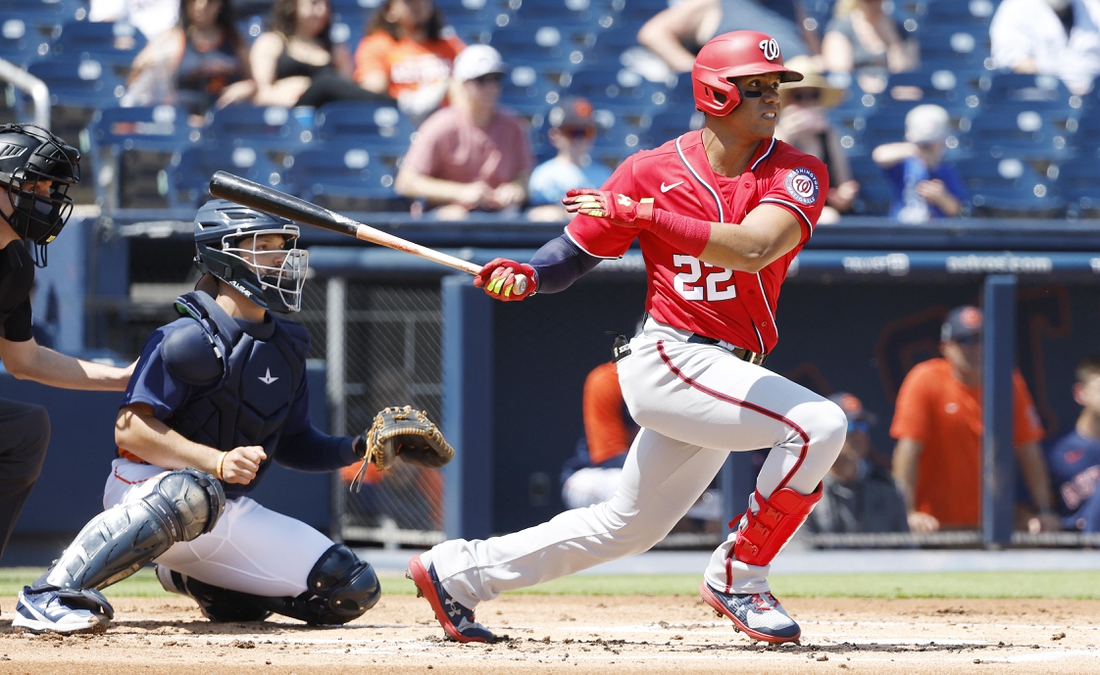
[[875, 192], [1009, 188], [59, 10], [671, 122], [1079, 184], [624, 92], [940, 86], [561, 12], [493, 14], [189, 172], [1021, 131], [111, 43], [469, 30], [20, 43], [954, 46], [977, 13], [85, 83], [552, 48], [273, 129], [344, 178], [529, 92], [361, 121], [131, 149], [1038, 92]]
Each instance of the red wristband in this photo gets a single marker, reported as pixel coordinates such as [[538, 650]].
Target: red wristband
[[689, 235]]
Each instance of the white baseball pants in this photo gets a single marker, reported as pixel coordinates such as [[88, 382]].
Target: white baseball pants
[[695, 403], [251, 548]]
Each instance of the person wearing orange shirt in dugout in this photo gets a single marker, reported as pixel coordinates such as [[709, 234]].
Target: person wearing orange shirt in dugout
[[402, 54], [591, 476], [938, 426]]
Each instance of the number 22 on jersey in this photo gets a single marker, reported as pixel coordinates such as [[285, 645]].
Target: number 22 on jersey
[[700, 281]]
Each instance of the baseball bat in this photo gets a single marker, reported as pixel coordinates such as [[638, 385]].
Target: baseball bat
[[225, 185]]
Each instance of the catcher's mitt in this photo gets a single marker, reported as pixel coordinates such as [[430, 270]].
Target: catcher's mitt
[[403, 432]]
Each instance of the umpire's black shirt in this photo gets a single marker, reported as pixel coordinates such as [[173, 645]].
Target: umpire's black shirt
[[16, 279]]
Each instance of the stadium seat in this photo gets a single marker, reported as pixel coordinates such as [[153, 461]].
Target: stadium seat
[[188, 175], [1020, 131], [942, 87], [875, 192], [1009, 188], [551, 48], [131, 149], [976, 13], [1079, 184], [114, 44], [493, 14], [273, 129], [625, 94], [20, 43], [671, 122], [361, 121], [344, 178], [471, 31], [77, 89], [1038, 92], [562, 12], [955, 46]]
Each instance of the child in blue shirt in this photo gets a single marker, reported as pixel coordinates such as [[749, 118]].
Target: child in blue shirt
[[925, 187]]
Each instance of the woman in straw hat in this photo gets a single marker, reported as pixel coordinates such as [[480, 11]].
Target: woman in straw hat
[[803, 124]]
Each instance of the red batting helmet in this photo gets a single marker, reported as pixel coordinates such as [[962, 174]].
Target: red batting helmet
[[729, 55]]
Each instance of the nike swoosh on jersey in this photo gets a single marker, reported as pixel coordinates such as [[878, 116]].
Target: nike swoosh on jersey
[[666, 188]]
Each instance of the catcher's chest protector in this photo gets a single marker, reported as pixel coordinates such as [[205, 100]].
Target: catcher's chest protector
[[249, 405]]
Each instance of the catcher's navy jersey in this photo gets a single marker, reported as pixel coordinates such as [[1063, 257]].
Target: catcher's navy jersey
[[1075, 473]]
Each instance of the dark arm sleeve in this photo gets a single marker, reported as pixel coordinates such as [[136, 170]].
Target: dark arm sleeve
[[559, 263], [305, 448], [314, 450]]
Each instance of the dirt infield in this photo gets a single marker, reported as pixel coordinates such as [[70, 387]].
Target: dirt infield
[[571, 634]]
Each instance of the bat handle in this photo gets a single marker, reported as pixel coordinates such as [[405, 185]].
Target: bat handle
[[520, 286]]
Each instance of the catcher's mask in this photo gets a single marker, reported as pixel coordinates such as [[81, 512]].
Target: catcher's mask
[[232, 243], [29, 157]]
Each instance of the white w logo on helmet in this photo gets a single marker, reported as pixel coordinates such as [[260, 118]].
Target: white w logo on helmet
[[770, 48]]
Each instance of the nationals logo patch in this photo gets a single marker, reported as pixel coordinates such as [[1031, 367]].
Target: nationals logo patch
[[802, 185]]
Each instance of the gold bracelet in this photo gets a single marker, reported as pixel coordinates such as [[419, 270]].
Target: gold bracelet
[[218, 470]]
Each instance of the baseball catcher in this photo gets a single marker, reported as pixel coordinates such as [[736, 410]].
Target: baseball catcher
[[216, 396]]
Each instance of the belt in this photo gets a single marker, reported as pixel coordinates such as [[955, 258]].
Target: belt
[[740, 352]]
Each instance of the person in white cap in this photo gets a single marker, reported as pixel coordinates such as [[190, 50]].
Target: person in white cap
[[925, 186], [471, 154]]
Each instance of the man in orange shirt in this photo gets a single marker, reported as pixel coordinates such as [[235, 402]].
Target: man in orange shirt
[[938, 426]]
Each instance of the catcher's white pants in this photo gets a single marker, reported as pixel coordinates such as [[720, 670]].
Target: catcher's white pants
[[695, 403], [251, 548]]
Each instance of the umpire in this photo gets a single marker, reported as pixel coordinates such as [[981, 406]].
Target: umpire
[[36, 170]]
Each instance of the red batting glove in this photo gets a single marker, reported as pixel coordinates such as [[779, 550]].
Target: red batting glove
[[618, 208], [498, 278]]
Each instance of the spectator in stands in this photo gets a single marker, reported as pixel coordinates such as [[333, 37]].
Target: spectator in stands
[[296, 63], [199, 64], [403, 55], [572, 131], [938, 427], [591, 476], [863, 40], [925, 186], [1074, 459], [859, 493], [470, 155], [803, 124], [151, 17], [676, 33], [1052, 37]]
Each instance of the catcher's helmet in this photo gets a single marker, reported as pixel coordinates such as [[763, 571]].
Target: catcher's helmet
[[28, 155], [730, 55], [272, 280]]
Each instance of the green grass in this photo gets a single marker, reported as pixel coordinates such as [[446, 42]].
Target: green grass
[[1079, 585]]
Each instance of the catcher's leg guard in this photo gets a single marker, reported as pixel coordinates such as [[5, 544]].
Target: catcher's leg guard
[[764, 533], [124, 538], [217, 604], [340, 588]]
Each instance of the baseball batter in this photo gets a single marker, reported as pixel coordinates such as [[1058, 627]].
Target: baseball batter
[[217, 395], [720, 214]]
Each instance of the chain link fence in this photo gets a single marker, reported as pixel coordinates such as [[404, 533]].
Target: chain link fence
[[382, 343]]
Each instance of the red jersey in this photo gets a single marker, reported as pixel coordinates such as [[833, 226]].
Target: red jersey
[[738, 307]]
